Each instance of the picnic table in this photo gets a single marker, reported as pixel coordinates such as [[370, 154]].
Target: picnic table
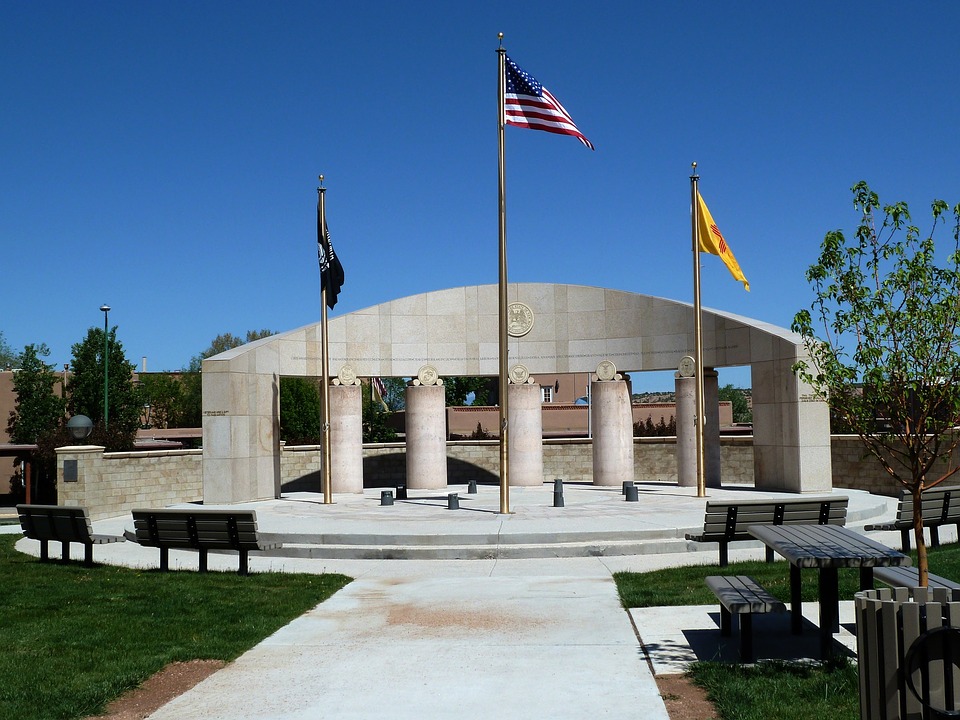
[[826, 548]]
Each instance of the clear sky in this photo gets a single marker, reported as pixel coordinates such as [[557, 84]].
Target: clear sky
[[162, 157]]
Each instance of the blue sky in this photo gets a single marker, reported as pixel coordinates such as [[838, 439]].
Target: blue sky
[[162, 157]]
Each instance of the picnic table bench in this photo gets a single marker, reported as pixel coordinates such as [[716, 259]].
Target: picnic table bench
[[200, 529], [726, 521], [938, 506], [743, 596], [64, 524], [902, 576]]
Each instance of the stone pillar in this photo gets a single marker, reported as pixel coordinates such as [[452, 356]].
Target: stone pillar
[[426, 427], [686, 394], [612, 419], [525, 417], [346, 439], [711, 431]]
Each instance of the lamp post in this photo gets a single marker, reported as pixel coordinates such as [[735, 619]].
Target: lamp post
[[105, 309]]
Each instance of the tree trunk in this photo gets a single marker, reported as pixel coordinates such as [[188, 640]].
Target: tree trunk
[[922, 569]]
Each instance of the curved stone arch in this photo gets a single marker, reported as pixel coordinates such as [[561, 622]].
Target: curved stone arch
[[574, 328]]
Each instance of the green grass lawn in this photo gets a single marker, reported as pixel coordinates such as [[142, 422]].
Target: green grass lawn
[[768, 690], [73, 638]]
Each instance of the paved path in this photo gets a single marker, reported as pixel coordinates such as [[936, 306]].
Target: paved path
[[477, 647]]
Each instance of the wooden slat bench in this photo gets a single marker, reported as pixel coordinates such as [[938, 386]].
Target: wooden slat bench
[[904, 576], [727, 521], [64, 524], [939, 506], [741, 595], [200, 529]]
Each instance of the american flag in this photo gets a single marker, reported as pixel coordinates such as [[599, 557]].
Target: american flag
[[331, 271], [529, 104]]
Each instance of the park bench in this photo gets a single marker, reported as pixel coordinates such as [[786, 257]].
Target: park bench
[[939, 506], [727, 521], [903, 576], [741, 595], [64, 524], [200, 529]]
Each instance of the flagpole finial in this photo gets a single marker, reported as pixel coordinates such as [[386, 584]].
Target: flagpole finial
[[693, 165], [500, 38], [320, 178]]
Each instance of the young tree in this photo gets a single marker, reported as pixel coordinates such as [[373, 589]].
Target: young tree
[[299, 411], [8, 358], [889, 310], [738, 399], [86, 390], [38, 418], [39, 408], [165, 393], [375, 427], [226, 341]]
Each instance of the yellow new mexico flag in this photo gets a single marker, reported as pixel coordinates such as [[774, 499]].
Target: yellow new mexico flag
[[711, 241]]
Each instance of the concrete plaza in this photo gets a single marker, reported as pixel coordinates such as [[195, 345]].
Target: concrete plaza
[[530, 626]]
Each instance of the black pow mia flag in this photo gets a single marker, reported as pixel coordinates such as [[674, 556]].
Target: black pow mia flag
[[331, 271]]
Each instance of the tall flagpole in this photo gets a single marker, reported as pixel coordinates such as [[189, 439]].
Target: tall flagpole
[[326, 457], [502, 322], [698, 328]]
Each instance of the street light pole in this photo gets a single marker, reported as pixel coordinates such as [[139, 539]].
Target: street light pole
[[105, 309]]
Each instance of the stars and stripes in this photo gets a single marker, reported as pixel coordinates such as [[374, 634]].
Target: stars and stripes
[[528, 104]]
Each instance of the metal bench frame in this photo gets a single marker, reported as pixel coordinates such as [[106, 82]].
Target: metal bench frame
[[743, 596], [64, 524], [200, 529], [939, 506], [727, 521]]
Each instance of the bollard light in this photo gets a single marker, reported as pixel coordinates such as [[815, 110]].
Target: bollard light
[[453, 501], [386, 497]]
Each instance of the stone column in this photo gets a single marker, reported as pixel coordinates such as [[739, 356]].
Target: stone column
[[346, 439], [426, 427], [711, 431], [686, 394], [612, 433], [525, 416]]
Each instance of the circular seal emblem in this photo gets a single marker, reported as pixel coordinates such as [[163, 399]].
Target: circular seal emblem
[[519, 319], [688, 366], [519, 374], [347, 375], [606, 370], [428, 375]]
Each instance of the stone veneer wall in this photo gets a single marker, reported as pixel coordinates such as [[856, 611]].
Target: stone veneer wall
[[111, 484]]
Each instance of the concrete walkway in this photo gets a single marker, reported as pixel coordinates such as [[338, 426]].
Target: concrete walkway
[[541, 637]]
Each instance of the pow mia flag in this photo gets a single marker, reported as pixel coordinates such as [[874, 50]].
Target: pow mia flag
[[331, 271]]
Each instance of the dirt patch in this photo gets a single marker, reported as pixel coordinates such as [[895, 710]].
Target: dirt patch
[[159, 689], [684, 700]]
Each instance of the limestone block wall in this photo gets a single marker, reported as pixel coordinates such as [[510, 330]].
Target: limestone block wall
[[112, 484], [655, 459], [853, 468]]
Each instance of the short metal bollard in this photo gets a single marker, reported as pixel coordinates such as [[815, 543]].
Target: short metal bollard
[[626, 484], [386, 497], [472, 487], [632, 494], [558, 493], [453, 501], [401, 491]]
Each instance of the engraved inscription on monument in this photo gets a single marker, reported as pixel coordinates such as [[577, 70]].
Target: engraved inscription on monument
[[519, 319]]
